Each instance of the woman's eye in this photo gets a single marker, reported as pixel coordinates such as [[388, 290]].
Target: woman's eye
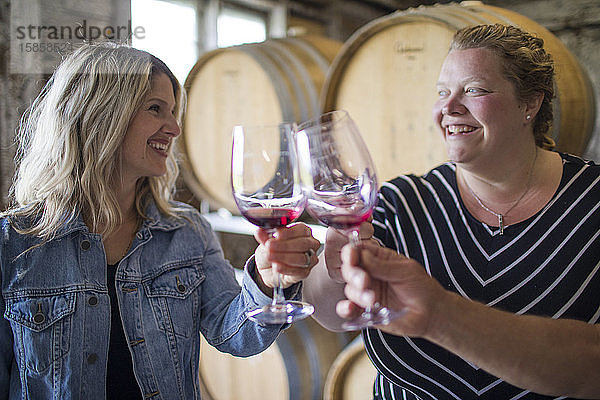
[[442, 92], [154, 107], [475, 90]]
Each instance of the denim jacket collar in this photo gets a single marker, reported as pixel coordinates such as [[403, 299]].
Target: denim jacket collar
[[154, 220]]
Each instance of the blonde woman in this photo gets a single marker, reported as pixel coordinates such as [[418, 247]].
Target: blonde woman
[[107, 283]]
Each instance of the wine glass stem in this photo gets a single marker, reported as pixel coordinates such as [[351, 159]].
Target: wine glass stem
[[278, 297], [355, 242]]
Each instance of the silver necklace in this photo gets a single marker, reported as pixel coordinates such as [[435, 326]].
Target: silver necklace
[[501, 216]]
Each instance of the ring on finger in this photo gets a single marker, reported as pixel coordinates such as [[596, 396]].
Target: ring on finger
[[309, 255]]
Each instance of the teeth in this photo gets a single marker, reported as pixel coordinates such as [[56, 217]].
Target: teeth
[[158, 146], [459, 129]]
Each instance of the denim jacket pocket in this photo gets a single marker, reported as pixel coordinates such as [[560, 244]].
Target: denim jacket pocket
[[175, 297], [42, 326]]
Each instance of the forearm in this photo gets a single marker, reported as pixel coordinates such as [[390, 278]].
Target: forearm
[[323, 293], [554, 357]]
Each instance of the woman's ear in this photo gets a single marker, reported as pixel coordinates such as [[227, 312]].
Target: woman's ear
[[532, 106]]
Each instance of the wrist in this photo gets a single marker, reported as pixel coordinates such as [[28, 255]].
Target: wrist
[[261, 283], [443, 312], [253, 273]]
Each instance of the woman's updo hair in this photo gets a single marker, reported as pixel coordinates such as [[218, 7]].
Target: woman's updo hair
[[526, 64]]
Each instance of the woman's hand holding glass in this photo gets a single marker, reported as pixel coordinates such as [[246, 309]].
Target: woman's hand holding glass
[[375, 274], [335, 240], [282, 253]]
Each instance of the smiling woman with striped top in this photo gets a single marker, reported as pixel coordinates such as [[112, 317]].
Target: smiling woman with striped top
[[493, 257]]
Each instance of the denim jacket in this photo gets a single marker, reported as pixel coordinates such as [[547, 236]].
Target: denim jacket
[[173, 284]]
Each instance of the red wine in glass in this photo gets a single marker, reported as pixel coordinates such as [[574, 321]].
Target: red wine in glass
[[341, 219], [269, 218], [343, 222]]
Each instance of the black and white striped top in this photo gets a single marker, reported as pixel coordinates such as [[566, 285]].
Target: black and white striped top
[[547, 265]]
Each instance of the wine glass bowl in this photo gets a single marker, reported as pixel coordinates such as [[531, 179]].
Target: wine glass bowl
[[337, 173], [339, 179], [267, 191]]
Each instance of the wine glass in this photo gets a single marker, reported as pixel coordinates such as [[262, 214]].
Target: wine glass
[[339, 178], [267, 191]]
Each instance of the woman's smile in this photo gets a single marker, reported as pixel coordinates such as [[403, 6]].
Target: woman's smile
[[459, 129], [160, 146]]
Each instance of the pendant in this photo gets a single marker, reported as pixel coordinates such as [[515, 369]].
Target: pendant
[[501, 223]]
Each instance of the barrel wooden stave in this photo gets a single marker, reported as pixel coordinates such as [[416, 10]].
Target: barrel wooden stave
[[389, 115]]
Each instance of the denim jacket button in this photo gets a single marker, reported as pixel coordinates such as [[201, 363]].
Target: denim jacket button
[[39, 318], [92, 358], [92, 300], [180, 286], [85, 245]]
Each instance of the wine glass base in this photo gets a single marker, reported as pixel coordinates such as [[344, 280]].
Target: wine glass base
[[275, 314], [369, 318]]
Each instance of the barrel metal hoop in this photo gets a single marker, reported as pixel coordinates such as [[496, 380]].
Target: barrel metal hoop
[[291, 367], [318, 58], [284, 95], [287, 59], [313, 359]]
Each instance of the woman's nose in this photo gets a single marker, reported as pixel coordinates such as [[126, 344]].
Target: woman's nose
[[172, 127], [452, 105]]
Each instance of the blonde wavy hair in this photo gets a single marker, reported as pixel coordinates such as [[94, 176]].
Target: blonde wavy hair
[[69, 142]]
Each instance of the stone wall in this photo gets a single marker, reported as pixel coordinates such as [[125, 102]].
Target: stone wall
[[16, 92]]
